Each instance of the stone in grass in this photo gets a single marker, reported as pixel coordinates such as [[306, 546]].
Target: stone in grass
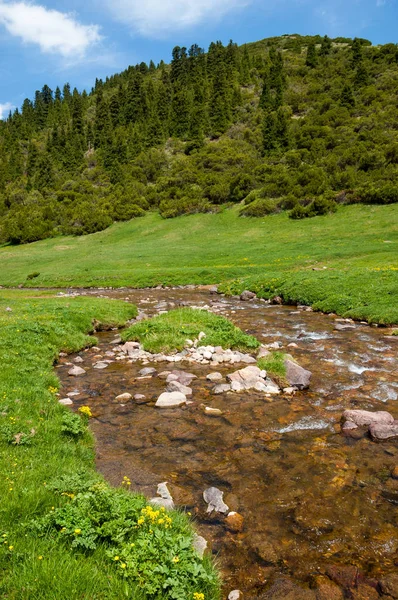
[[200, 545], [214, 499], [171, 400], [76, 371], [65, 401], [165, 499], [247, 295]]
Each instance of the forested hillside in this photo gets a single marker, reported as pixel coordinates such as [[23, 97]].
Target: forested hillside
[[290, 123]]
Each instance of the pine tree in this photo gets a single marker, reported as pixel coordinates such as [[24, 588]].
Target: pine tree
[[311, 60], [326, 46], [347, 97], [269, 133]]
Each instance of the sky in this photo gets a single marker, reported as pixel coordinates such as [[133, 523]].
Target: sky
[[57, 41]]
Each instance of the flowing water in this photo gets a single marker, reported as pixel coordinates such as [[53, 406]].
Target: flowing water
[[310, 496]]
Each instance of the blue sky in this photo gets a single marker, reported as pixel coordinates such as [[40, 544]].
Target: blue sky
[[54, 41]]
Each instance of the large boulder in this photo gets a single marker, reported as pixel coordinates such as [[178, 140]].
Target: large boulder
[[362, 418], [297, 376], [171, 400], [383, 431]]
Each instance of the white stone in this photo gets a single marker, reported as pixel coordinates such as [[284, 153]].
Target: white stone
[[124, 397], [65, 402], [171, 400], [76, 371]]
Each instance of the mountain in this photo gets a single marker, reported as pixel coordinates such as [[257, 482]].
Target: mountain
[[287, 123]]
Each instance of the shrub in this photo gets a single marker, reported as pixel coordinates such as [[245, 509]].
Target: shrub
[[260, 208], [382, 194]]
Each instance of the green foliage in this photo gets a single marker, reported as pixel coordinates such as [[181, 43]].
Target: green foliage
[[319, 206], [73, 425], [274, 364], [260, 208], [169, 332], [319, 113]]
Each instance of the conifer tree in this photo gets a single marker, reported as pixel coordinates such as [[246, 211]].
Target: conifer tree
[[347, 97], [326, 46], [269, 141], [311, 60]]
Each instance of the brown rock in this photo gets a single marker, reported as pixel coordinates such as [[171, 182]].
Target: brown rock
[[344, 575], [366, 417], [389, 585], [234, 522], [285, 589], [247, 295], [364, 592], [327, 590], [297, 376], [263, 548], [394, 473]]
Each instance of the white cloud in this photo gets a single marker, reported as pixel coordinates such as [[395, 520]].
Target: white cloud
[[159, 17], [53, 31], [5, 109]]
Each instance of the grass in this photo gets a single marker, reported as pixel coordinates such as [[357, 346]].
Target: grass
[[274, 364], [169, 332], [357, 245], [60, 524]]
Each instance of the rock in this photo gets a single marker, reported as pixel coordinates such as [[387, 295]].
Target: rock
[[200, 545], [366, 417], [140, 398], [263, 548], [263, 352], [214, 498], [327, 590], [65, 402], [147, 371], [164, 374], [389, 585], [344, 327], [117, 340], [213, 290], [277, 300], [349, 426], [78, 359], [221, 388], [201, 336], [76, 371], [171, 400], [165, 498], [214, 377], [285, 589], [211, 412], [394, 473], [247, 295], [235, 595], [182, 377], [297, 376], [8, 309], [345, 576], [364, 592], [247, 376], [234, 522], [124, 397], [101, 365], [176, 386], [383, 431], [289, 391]]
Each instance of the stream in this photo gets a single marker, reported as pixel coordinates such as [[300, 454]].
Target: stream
[[313, 500]]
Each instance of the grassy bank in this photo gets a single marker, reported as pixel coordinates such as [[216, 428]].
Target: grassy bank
[[357, 245], [65, 534]]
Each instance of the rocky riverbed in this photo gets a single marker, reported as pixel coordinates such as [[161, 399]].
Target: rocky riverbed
[[311, 505]]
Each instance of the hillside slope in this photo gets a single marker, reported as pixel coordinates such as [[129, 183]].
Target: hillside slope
[[289, 123]]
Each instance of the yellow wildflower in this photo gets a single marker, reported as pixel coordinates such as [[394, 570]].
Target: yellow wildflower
[[123, 565], [11, 547], [176, 559], [39, 558], [78, 531], [198, 596], [85, 410], [116, 558]]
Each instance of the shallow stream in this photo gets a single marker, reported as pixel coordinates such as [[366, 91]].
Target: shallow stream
[[310, 497]]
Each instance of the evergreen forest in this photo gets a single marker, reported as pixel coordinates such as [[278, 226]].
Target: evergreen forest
[[294, 123]]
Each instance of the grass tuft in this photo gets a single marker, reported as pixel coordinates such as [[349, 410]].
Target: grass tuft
[[168, 332]]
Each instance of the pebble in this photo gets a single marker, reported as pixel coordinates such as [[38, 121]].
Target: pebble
[[65, 402], [214, 377], [76, 371], [234, 522], [124, 397], [171, 400], [100, 365]]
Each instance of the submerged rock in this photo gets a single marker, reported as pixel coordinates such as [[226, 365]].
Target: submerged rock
[[211, 412], [389, 585], [101, 365], [171, 400], [344, 327], [285, 589], [147, 371], [76, 371], [214, 498], [221, 388], [234, 522], [176, 386]]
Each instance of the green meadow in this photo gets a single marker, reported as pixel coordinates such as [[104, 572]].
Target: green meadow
[[346, 262]]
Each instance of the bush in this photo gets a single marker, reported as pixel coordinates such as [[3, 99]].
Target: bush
[[260, 208], [175, 207], [382, 194]]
